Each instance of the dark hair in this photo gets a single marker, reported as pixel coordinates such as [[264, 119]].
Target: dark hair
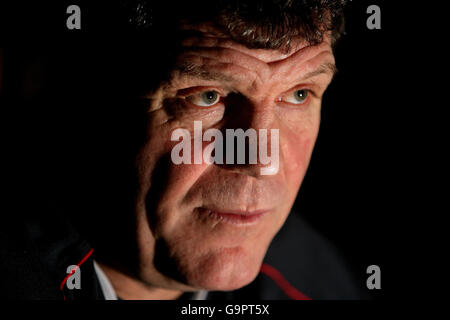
[[265, 24]]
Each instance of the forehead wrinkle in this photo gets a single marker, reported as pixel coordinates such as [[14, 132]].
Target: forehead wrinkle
[[310, 65], [263, 71], [234, 66], [211, 68], [264, 55], [303, 53], [232, 56]]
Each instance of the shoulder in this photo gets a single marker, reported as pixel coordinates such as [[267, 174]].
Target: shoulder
[[37, 256]]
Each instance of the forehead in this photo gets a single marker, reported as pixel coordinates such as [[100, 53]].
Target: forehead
[[209, 48]]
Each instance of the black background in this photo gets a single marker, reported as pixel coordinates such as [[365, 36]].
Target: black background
[[352, 190]]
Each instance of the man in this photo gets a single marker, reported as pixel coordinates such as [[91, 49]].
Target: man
[[204, 227]]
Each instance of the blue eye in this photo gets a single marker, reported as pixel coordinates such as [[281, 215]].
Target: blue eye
[[205, 98], [297, 96]]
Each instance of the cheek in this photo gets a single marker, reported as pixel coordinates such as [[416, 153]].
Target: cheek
[[299, 152], [155, 168], [298, 146], [166, 186]]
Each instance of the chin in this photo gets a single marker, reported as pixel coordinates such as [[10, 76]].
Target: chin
[[225, 270]]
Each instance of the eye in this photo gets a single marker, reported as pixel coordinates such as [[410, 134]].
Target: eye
[[295, 97], [205, 98]]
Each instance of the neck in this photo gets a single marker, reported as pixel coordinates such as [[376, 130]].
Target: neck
[[129, 288]]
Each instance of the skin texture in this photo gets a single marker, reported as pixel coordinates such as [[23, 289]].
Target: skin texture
[[180, 248]]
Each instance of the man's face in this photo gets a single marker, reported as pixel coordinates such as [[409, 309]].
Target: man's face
[[209, 225]]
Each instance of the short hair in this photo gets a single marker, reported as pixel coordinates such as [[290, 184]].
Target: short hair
[[262, 24]]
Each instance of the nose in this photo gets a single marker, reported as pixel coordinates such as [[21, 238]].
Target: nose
[[251, 137]]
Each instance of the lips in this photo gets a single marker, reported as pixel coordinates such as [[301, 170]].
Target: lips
[[233, 216]]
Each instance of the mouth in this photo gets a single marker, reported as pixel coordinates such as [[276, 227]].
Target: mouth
[[235, 217]]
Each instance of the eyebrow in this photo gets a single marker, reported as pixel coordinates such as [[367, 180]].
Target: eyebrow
[[329, 68], [196, 71]]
